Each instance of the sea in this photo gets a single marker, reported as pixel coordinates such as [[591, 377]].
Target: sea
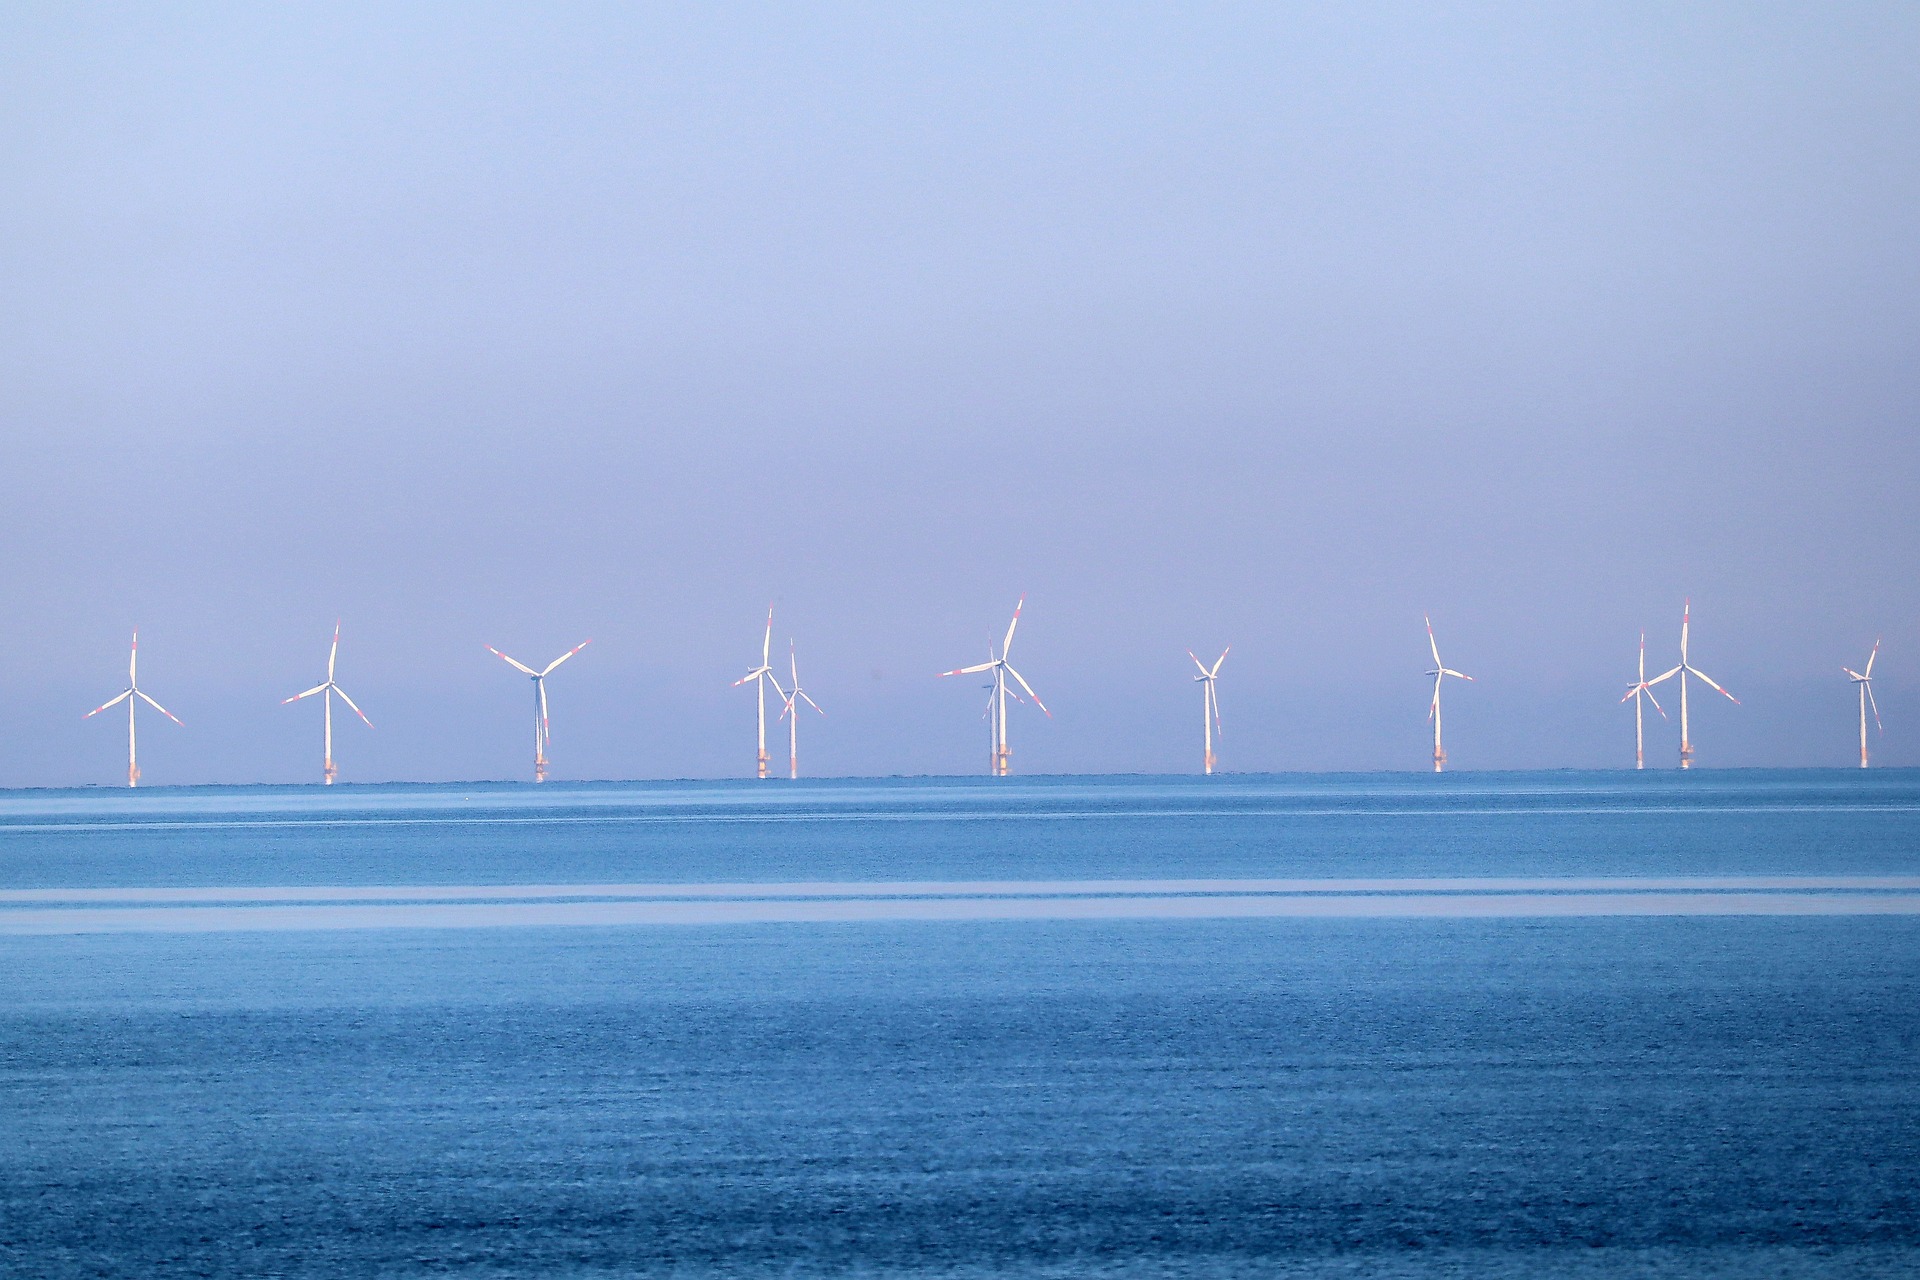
[[1486, 1025]]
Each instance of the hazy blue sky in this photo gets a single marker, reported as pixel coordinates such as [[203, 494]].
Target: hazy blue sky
[[1264, 325]]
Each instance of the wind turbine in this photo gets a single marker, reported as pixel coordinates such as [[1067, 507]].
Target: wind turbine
[[997, 699], [1210, 700], [131, 696], [542, 732], [1864, 679], [327, 690], [1684, 670], [1636, 692], [794, 697], [762, 675], [1440, 672]]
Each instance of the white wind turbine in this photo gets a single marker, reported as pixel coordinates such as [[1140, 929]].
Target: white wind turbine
[[1636, 692], [1684, 670], [1440, 672], [542, 731], [997, 699], [794, 697], [762, 675], [327, 690], [130, 696], [1210, 701], [1864, 680]]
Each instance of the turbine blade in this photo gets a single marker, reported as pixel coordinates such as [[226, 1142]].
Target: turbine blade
[[103, 706], [335, 651], [162, 710], [1656, 704], [349, 701], [1029, 688], [1666, 675], [308, 694], [1449, 671], [1199, 664], [546, 725], [133, 659], [1433, 644], [1871, 657], [515, 663], [1008, 642], [967, 671], [1711, 685], [810, 702], [1853, 675], [563, 657], [1876, 708], [766, 645], [1217, 661]]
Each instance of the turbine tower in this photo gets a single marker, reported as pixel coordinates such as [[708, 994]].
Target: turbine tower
[[327, 690], [1864, 680], [131, 696], [542, 732], [1636, 692], [794, 697], [762, 675], [997, 698], [1210, 701], [1440, 672], [1684, 670]]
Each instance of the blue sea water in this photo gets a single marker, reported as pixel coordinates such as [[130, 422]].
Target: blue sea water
[[1680, 1092]]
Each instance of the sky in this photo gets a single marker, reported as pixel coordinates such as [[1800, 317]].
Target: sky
[[1276, 326]]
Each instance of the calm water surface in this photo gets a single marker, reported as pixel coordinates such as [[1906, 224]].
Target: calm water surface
[[1728, 1085]]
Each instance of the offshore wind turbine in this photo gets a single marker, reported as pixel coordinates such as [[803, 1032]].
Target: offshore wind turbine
[[1636, 692], [1210, 700], [1684, 670], [327, 690], [761, 676], [132, 695], [542, 730], [997, 699], [1864, 681], [1440, 672], [794, 697]]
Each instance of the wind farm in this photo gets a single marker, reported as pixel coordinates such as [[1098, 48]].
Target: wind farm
[[1006, 688]]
